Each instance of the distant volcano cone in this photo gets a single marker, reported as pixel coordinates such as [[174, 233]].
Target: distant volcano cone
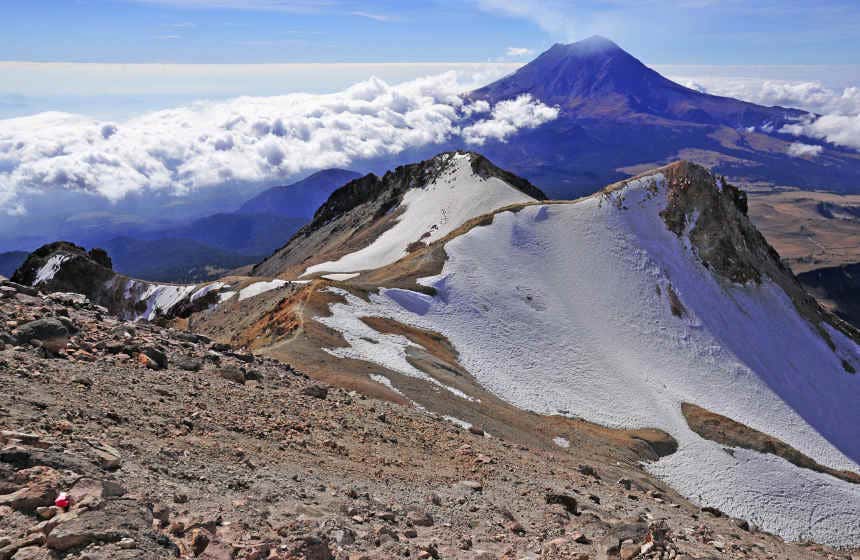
[[597, 78]]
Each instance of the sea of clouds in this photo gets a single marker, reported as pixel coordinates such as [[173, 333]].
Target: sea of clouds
[[258, 140], [246, 139]]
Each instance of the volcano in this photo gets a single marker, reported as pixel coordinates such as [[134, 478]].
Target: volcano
[[618, 117]]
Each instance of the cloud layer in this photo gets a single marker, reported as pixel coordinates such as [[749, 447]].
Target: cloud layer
[[838, 124], [247, 139]]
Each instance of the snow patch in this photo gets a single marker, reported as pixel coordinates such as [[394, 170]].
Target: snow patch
[[341, 276], [224, 296], [161, 298], [382, 380], [366, 344], [561, 442], [50, 269], [206, 289], [462, 423], [258, 288]]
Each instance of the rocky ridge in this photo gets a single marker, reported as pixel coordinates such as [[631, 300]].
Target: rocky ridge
[[363, 209]]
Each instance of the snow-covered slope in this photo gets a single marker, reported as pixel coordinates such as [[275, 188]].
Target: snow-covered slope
[[374, 221], [430, 212], [596, 307]]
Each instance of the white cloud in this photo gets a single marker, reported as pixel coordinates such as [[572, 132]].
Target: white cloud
[[245, 140], [518, 51], [509, 116], [843, 130], [810, 96], [798, 149], [839, 122]]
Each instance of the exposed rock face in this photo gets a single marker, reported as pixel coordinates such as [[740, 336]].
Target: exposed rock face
[[715, 212], [838, 287], [68, 271], [75, 270], [713, 215]]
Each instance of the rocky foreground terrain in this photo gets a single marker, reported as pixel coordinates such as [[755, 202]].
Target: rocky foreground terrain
[[167, 444]]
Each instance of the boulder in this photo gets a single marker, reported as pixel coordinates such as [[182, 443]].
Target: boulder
[[611, 546], [51, 332], [468, 487], [188, 364], [231, 373], [33, 553], [316, 391], [420, 518], [155, 354], [568, 502], [118, 519]]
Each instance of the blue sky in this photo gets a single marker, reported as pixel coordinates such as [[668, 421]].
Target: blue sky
[[265, 31]]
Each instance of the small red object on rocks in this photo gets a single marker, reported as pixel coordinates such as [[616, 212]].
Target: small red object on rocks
[[62, 500]]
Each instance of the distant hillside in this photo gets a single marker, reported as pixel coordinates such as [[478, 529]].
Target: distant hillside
[[838, 287], [246, 234], [302, 198], [172, 260], [9, 262]]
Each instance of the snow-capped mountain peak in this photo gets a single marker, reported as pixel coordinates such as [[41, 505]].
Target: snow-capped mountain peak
[[372, 222]]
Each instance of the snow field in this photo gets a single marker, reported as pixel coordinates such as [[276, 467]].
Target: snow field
[[557, 307]]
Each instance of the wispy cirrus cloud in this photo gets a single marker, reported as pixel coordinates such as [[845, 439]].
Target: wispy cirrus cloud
[[553, 16], [384, 18]]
